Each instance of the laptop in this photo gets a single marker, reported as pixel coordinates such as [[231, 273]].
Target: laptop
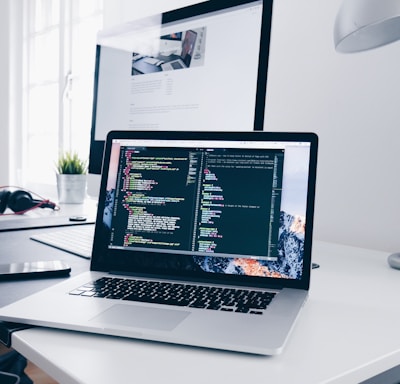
[[185, 59], [201, 238]]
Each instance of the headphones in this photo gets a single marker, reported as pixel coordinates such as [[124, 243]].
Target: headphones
[[21, 201]]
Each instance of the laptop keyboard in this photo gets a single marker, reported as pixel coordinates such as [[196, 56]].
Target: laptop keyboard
[[176, 65], [184, 295]]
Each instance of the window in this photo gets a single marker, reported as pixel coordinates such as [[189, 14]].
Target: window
[[59, 43]]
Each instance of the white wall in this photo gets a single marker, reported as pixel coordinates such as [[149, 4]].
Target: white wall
[[4, 91], [10, 88], [352, 102]]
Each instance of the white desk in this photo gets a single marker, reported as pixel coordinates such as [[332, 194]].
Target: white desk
[[348, 331], [42, 218]]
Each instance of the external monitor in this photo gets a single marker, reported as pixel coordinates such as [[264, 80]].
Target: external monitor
[[201, 67]]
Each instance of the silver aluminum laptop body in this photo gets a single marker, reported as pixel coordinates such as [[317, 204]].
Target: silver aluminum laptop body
[[221, 209]]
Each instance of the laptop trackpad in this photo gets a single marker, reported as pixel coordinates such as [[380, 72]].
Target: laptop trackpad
[[142, 317]]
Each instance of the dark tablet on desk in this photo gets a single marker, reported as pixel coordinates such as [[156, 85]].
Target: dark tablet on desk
[[34, 269]]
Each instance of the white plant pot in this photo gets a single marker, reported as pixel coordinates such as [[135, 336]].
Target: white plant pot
[[71, 188]]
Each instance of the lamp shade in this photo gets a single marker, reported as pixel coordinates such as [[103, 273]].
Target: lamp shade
[[365, 24]]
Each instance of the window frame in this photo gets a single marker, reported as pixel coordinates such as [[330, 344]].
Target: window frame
[[20, 73]]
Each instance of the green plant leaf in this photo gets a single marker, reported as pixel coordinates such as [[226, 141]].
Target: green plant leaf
[[70, 163]]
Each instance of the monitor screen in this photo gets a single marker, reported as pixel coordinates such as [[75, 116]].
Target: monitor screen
[[202, 67]]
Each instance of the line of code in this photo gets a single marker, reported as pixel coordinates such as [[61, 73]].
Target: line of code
[[207, 201]]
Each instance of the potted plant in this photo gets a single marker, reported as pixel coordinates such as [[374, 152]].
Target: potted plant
[[71, 178]]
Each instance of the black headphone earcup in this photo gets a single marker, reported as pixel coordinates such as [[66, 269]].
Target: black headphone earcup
[[19, 201], [4, 196]]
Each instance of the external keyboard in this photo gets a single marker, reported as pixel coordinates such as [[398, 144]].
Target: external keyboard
[[77, 239], [184, 295]]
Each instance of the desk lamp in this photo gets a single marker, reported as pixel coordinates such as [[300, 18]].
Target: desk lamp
[[365, 24], [361, 25]]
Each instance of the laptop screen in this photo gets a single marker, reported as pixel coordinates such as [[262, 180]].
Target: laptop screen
[[225, 207]]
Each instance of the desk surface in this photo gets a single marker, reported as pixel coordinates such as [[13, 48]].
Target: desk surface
[[347, 332], [43, 218]]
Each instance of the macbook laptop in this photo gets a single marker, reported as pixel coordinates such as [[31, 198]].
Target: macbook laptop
[[188, 45], [201, 238]]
